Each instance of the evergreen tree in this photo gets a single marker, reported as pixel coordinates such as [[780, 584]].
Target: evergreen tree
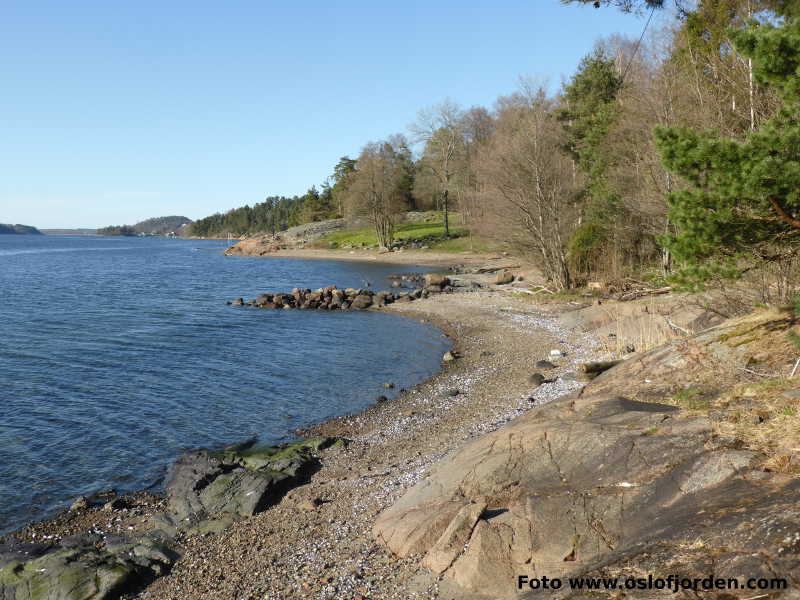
[[588, 114], [742, 203]]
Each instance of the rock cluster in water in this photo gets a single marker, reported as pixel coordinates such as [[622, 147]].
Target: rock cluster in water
[[332, 298]]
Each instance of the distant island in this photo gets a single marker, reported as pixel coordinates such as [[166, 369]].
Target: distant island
[[18, 229], [164, 226]]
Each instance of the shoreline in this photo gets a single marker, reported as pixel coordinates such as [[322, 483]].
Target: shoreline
[[317, 542], [143, 501], [492, 388]]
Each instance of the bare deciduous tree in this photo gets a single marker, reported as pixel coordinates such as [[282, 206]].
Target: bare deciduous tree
[[440, 129], [377, 187], [527, 183]]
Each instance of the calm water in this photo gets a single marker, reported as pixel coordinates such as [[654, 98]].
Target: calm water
[[117, 354]]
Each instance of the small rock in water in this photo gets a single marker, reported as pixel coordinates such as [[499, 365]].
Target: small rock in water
[[388, 386], [544, 364], [115, 504], [381, 399], [79, 504], [448, 357]]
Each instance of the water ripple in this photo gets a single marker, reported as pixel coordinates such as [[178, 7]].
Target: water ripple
[[113, 363]]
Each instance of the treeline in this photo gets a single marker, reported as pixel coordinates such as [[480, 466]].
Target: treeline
[[18, 229], [154, 226], [675, 157], [125, 230]]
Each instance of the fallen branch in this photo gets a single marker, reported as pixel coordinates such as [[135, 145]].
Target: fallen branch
[[640, 293], [676, 327], [495, 269], [794, 370], [541, 289], [595, 368]]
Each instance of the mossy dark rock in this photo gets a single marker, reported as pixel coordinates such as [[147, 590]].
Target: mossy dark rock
[[80, 570], [238, 481]]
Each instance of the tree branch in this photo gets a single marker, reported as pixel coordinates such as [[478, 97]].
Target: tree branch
[[784, 216]]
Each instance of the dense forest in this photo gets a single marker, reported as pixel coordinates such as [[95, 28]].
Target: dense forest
[[154, 226], [674, 156], [18, 229]]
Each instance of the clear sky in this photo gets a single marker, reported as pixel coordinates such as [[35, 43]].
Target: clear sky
[[112, 112]]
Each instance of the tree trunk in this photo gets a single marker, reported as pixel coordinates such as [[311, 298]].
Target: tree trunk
[[444, 207]]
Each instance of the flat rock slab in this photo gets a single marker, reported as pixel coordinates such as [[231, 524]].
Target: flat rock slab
[[575, 482]]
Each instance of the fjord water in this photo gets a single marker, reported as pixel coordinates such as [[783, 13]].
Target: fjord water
[[117, 354]]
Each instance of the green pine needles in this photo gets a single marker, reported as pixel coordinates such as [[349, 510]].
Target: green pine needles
[[741, 205]]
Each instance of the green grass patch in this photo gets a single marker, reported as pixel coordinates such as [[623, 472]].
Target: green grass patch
[[427, 233], [692, 398]]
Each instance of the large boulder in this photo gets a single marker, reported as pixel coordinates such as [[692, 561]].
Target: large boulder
[[587, 481], [361, 302], [436, 279]]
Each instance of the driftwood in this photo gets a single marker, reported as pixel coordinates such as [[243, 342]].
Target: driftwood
[[595, 368], [495, 269], [640, 293], [532, 293]]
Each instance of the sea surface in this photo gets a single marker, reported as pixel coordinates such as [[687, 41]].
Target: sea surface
[[118, 354]]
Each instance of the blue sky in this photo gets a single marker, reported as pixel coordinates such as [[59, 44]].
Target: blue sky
[[113, 112]]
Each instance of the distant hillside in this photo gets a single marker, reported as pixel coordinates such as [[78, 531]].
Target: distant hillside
[[83, 231], [19, 229], [154, 226], [162, 225]]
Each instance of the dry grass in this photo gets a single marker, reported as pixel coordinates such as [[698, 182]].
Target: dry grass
[[639, 332], [763, 419]]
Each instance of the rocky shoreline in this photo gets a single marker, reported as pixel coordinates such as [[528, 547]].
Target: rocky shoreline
[[429, 495], [332, 298], [144, 521]]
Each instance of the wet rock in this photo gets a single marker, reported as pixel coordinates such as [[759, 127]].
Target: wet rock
[[79, 504], [115, 504], [381, 399], [361, 301]]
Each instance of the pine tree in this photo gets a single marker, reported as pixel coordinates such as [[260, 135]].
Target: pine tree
[[741, 205]]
